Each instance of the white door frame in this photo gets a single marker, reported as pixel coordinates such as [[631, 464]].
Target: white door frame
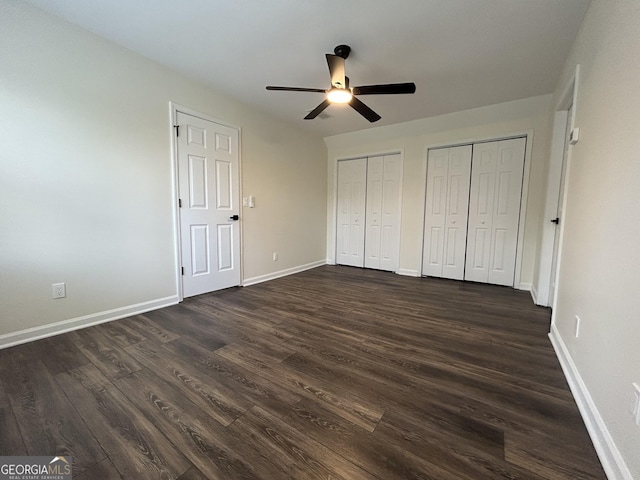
[[541, 290], [332, 215], [174, 108], [528, 134]]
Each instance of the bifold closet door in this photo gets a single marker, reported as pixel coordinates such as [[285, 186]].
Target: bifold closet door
[[447, 203], [382, 235], [350, 231], [494, 211]]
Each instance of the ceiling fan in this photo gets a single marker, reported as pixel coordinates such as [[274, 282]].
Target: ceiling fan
[[340, 92]]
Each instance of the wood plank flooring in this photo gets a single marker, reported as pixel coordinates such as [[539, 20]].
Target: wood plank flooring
[[335, 373]]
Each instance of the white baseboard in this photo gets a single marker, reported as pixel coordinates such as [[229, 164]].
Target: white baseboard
[[408, 273], [534, 295], [64, 326], [524, 286], [282, 273], [610, 457]]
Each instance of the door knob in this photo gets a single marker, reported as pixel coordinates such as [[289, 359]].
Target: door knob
[[234, 217], [555, 220]]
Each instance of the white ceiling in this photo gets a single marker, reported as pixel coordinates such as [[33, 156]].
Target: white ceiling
[[460, 53]]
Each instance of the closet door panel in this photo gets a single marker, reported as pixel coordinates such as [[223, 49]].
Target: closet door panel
[[390, 209], [435, 211], [481, 202], [506, 215], [494, 211], [457, 212], [373, 236], [446, 210], [388, 248], [368, 212], [350, 231]]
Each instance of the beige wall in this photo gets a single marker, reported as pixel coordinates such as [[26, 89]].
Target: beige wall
[[85, 177], [600, 261], [414, 138]]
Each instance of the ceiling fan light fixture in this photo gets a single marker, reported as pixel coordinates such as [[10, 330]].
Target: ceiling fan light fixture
[[339, 95], [340, 91]]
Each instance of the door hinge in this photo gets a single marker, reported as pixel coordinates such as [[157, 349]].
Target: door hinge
[[177, 127], [182, 270], [179, 203]]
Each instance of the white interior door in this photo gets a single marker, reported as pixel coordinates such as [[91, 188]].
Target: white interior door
[[382, 234], [350, 232], [559, 211], [447, 204], [208, 184], [494, 211]]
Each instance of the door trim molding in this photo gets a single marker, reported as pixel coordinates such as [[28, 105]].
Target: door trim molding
[[528, 135], [174, 108], [568, 98]]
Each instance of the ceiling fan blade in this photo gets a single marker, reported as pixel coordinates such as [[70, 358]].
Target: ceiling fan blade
[[363, 110], [318, 110], [336, 69], [296, 89], [387, 89]]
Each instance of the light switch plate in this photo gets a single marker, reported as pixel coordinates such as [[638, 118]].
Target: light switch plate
[[635, 408], [574, 136]]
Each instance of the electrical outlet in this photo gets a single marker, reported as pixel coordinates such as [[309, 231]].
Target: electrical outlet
[[275, 256], [58, 290], [635, 406], [577, 326]]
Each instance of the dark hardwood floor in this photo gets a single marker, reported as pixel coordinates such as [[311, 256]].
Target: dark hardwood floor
[[334, 373]]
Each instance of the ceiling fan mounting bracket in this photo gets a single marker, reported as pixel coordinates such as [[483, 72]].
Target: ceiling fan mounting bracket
[[342, 51]]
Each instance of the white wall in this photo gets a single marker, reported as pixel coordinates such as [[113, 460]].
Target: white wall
[[85, 177], [413, 139], [600, 261]]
